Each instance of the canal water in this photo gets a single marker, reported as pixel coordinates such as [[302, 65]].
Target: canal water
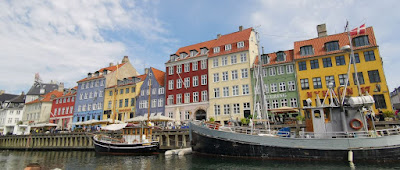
[[75, 160]]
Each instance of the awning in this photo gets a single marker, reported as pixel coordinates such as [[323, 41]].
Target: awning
[[284, 110], [114, 127]]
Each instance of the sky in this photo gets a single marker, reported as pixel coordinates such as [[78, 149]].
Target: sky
[[64, 40]]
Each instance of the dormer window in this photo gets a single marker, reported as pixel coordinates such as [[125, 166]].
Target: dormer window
[[105, 72], [332, 46], [96, 74], [228, 47], [89, 75], [306, 50], [280, 56], [216, 49], [183, 55], [360, 41], [240, 44], [265, 59], [193, 53], [203, 50]]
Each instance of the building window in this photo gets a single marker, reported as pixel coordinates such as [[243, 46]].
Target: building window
[[314, 64], [170, 85], [217, 110], [234, 75], [227, 109], [380, 102], [187, 67], [178, 83], [356, 57], [275, 104], [195, 96], [240, 44], [203, 64], [171, 70], [187, 82], [215, 62], [327, 62], [274, 88], [195, 81], [160, 90], [245, 89], [132, 101], [302, 66], [360, 41], [374, 76], [329, 79], [178, 98], [179, 68], [289, 69], [265, 72], [109, 105], [360, 78], [171, 115], [193, 53], [233, 59], [170, 99], [342, 79], [216, 92], [282, 86], [204, 95], [236, 108], [225, 91], [245, 73], [204, 79], [203, 51], [160, 102], [306, 50], [284, 102], [216, 49], [224, 61], [154, 90], [293, 102], [246, 106], [225, 76], [281, 70], [291, 86], [187, 115], [235, 90], [332, 46], [195, 66], [317, 83], [272, 71], [126, 91], [216, 77], [369, 56], [280, 56], [340, 61], [243, 57], [304, 84], [120, 103]]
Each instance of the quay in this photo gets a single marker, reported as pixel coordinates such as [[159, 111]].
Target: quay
[[168, 138]]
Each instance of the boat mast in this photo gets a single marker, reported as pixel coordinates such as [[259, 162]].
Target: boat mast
[[149, 99], [114, 114]]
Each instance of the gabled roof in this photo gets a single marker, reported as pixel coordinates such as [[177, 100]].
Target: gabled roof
[[159, 75], [142, 77], [273, 56], [48, 87], [6, 96], [111, 68], [47, 97], [196, 47], [319, 43], [233, 39]]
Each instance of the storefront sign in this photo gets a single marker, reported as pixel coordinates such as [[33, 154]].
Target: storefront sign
[[349, 92]]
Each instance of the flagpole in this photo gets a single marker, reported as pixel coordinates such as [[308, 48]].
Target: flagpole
[[354, 61]]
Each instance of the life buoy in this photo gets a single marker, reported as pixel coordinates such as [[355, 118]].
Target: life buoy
[[354, 126]]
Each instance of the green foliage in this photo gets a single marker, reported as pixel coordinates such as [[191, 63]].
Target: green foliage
[[388, 113], [245, 121], [212, 119], [19, 123], [300, 118]]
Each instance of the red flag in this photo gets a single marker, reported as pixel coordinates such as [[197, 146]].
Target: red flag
[[359, 30]]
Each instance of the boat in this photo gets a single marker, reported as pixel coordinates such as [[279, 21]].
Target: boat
[[126, 139], [342, 130]]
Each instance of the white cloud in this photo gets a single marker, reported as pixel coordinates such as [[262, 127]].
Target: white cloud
[[64, 40]]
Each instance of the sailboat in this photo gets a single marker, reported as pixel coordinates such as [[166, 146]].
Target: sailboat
[[127, 139], [345, 137]]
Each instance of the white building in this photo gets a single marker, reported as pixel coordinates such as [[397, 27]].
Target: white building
[[11, 115]]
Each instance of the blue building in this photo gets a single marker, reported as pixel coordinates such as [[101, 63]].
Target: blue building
[[157, 96], [90, 93]]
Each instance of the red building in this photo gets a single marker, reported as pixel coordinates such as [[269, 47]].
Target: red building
[[63, 109], [186, 82]]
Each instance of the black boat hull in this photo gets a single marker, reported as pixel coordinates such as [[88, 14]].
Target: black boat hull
[[204, 144], [125, 149]]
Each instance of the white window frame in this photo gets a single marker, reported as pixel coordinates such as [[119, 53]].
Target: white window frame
[[233, 59], [291, 86], [187, 82], [195, 66], [281, 70], [272, 71], [216, 49], [204, 95], [171, 70], [224, 61], [204, 79], [216, 93], [245, 89], [179, 68], [187, 67], [170, 86], [273, 88], [195, 96], [240, 44], [228, 47], [235, 90], [243, 57], [178, 83], [289, 69], [245, 73], [203, 64], [282, 86], [178, 98], [225, 91], [234, 74], [225, 76], [215, 62], [195, 80], [216, 77], [187, 98]]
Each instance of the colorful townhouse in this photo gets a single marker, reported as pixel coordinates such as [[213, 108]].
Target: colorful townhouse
[[187, 82], [11, 111], [229, 61], [154, 81], [320, 61], [63, 109], [121, 98], [279, 78], [90, 94]]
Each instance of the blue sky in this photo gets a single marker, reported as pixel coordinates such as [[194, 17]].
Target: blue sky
[[64, 40]]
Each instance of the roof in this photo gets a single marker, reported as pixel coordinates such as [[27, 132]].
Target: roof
[[48, 97], [231, 38], [6, 96], [141, 77], [35, 89], [111, 68], [159, 75], [319, 43], [196, 47], [272, 58], [18, 99]]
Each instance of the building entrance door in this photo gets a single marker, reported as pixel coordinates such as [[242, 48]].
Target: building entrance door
[[201, 114]]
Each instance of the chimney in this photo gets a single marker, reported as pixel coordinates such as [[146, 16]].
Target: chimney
[[240, 28], [61, 87], [2, 92], [146, 70], [111, 64], [321, 29], [23, 93], [218, 35], [125, 59]]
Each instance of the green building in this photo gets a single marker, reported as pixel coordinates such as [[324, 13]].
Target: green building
[[279, 77]]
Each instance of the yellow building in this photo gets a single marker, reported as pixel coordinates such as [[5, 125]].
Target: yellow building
[[229, 63], [121, 99], [320, 61]]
